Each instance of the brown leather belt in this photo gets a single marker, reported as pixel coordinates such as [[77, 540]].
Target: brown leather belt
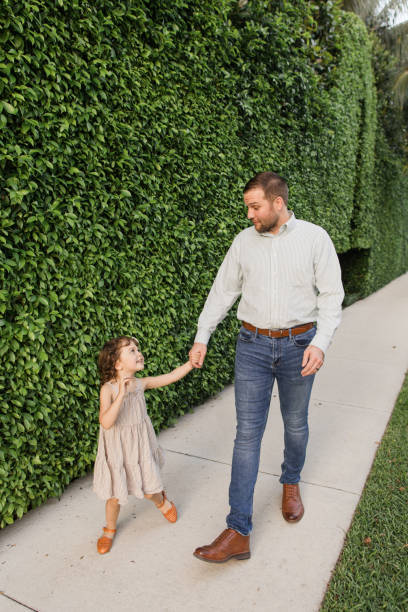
[[279, 333]]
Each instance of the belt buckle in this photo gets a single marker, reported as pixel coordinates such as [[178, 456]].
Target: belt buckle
[[271, 333]]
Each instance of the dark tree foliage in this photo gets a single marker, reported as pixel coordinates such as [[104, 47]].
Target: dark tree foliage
[[128, 130]]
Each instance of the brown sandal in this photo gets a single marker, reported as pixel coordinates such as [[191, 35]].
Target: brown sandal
[[170, 515], [104, 543]]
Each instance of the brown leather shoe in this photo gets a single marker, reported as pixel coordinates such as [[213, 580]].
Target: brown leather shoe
[[229, 544], [292, 507]]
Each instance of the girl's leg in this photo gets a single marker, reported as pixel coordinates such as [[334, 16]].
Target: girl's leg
[[112, 509], [157, 499]]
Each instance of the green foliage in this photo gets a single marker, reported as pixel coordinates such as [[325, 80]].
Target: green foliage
[[127, 131], [113, 150], [385, 227], [389, 252]]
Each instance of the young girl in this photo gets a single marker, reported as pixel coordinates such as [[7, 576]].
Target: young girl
[[129, 458]]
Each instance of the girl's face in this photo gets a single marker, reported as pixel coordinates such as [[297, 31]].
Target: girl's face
[[130, 359]]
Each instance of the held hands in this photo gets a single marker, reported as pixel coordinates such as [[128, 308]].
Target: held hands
[[197, 354], [312, 361]]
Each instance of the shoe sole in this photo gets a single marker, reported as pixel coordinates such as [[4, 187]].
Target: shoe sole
[[239, 557]]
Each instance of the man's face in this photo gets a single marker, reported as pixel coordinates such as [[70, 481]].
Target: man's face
[[263, 213]]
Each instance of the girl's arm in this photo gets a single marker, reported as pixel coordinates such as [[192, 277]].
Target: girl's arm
[[152, 382], [109, 408]]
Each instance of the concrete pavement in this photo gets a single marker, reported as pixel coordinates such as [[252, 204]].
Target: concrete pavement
[[48, 559]]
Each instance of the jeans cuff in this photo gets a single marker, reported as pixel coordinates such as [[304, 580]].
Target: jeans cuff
[[237, 530]]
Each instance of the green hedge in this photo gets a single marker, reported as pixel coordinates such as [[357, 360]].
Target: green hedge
[[128, 132], [388, 256]]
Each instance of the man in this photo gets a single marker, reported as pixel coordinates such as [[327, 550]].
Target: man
[[288, 275]]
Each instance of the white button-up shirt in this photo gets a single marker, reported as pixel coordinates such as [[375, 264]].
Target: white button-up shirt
[[284, 279]]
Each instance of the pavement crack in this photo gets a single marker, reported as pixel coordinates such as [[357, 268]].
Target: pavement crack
[[169, 450], [20, 603], [313, 484], [320, 401]]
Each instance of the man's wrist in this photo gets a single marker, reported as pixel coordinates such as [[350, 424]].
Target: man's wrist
[[321, 342], [316, 347], [202, 336]]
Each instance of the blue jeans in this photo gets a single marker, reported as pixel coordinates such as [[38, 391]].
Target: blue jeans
[[259, 360]]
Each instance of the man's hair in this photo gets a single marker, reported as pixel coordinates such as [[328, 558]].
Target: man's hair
[[272, 184]]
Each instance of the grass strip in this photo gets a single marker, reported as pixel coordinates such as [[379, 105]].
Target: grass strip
[[372, 571]]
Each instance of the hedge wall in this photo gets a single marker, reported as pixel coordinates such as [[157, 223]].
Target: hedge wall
[[128, 130]]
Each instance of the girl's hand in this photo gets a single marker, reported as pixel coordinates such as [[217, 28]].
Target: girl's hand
[[124, 384]]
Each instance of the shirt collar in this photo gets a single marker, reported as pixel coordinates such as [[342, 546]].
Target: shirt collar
[[290, 223]]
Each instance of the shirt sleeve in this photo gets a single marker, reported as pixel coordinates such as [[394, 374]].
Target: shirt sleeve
[[225, 290], [330, 291]]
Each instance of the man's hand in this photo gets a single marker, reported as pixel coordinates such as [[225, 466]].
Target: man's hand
[[312, 361], [197, 354]]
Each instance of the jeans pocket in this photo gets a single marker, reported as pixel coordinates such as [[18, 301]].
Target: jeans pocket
[[245, 335], [303, 340]]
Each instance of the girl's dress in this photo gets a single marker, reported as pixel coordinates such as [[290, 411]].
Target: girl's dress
[[129, 458]]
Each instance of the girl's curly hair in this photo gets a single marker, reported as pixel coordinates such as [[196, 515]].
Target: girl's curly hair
[[109, 356]]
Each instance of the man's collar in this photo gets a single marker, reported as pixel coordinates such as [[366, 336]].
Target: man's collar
[[290, 223]]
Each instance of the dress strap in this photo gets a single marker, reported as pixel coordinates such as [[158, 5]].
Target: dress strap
[[139, 383]]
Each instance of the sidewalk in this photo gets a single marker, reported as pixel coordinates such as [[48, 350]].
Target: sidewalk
[[48, 559]]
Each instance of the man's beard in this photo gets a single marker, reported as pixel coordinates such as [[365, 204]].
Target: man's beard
[[267, 228]]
